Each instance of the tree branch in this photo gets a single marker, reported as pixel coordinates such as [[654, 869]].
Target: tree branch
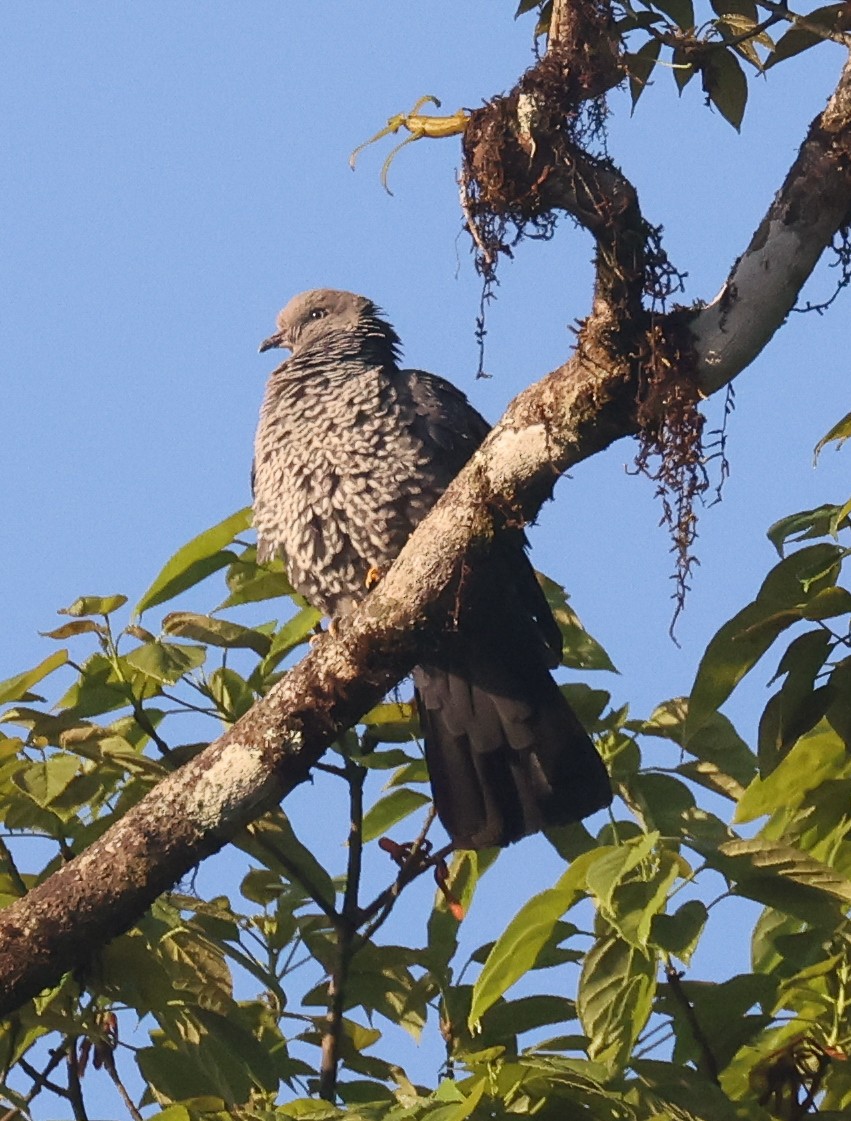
[[762, 288]]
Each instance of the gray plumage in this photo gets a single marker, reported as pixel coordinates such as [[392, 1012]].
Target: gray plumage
[[351, 453]]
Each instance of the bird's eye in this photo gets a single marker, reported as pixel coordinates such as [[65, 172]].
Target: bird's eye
[[318, 313]]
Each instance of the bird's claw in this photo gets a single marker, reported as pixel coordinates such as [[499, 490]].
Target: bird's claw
[[333, 629], [418, 125], [372, 577]]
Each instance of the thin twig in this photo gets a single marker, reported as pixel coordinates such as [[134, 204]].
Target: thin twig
[[108, 1064], [40, 1079], [346, 929], [75, 1090], [380, 908], [297, 874], [708, 1060]]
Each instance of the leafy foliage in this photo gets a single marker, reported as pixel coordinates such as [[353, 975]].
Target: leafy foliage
[[587, 1005], [714, 43]]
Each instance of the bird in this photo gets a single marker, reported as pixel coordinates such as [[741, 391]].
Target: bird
[[351, 453]]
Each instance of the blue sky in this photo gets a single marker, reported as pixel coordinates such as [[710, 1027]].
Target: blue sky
[[172, 173]]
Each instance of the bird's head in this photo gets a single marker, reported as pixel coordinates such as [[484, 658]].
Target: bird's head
[[327, 318]]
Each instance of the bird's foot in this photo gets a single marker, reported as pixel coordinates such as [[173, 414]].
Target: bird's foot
[[333, 629], [373, 575]]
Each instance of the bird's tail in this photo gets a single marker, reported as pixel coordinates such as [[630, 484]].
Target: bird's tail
[[506, 754]]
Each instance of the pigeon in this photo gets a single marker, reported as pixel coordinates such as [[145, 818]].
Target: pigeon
[[351, 453]]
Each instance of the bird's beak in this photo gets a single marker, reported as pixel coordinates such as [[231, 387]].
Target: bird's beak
[[275, 341]]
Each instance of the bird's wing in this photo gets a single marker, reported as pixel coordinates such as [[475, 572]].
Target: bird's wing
[[447, 420], [444, 417]]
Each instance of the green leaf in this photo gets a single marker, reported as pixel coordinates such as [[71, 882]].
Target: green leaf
[[97, 690], [231, 692], [721, 1009], [241, 1045], [250, 582], [94, 605], [463, 1109], [804, 525], [639, 67], [682, 69], [390, 723], [680, 11], [740, 643], [726, 86], [581, 651], [387, 811], [783, 877], [816, 757], [798, 706], [272, 841], [166, 662], [839, 712], [176, 1112], [732, 652], [741, 9], [610, 869], [78, 626], [661, 802], [216, 632], [833, 17], [517, 948], [827, 604], [681, 1093], [195, 561], [679, 933], [293, 633], [841, 431], [615, 998], [841, 519], [466, 867], [46, 781], [17, 688]]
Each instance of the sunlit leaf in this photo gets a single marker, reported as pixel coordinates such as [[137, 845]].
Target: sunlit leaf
[[841, 431], [678, 933], [615, 998], [94, 605], [250, 582], [17, 688], [610, 868], [804, 525], [195, 561], [166, 662], [581, 651], [231, 692], [740, 643], [392, 808], [816, 757], [44, 782], [216, 632], [295, 632], [783, 877], [515, 951], [78, 626]]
